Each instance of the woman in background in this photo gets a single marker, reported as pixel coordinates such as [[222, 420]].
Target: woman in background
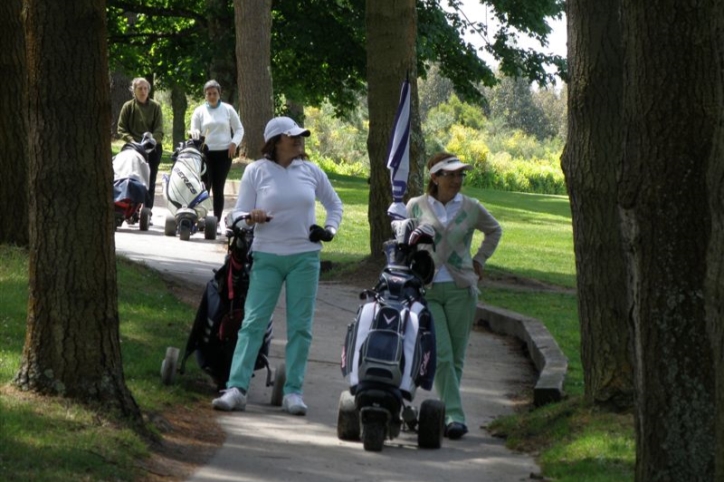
[[221, 128]]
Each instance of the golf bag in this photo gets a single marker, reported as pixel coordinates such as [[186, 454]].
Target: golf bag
[[131, 174], [183, 188], [221, 312], [391, 343]]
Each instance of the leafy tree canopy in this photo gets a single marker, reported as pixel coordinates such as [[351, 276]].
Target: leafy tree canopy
[[318, 46]]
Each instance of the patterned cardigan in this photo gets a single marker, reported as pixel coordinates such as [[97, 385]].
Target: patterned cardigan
[[453, 243]]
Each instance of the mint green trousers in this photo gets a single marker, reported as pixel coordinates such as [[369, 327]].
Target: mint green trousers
[[299, 273], [453, 310]]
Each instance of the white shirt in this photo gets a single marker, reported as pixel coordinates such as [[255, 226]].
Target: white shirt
[[288, 195], [444, 213], [216, 124]]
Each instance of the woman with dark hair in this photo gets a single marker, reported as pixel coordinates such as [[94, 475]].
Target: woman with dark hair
[[221, 128], [453, 295], [278, 194]]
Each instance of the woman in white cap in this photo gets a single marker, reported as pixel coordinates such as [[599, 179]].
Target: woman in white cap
[[453, 296], [221, 128], [278, 193]]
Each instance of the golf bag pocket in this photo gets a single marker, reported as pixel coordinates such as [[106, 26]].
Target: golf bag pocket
[[381, 354], [422, 368], [381, 358]]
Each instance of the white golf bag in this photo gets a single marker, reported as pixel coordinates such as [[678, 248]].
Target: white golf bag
[[187, 198], [391, 343], [389, 351], [183, 188]]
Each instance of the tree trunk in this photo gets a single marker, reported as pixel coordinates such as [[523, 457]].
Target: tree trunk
[[391, 33], [295, 110], [72, 345], [179, 106], [13, 127], [222, 65], [590, 162], [120, 94], [253, 56], [670, 112], [715, 262]]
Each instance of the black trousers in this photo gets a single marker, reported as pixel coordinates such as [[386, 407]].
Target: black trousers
[[218, 164], [154, 159]]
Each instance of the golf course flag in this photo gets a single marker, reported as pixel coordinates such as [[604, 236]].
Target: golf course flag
[[398, 158]]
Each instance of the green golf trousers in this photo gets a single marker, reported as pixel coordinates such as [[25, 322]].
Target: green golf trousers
[[299, 273], [453, 310]]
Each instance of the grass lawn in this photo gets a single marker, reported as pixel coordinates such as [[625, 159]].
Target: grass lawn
[[62, 442]]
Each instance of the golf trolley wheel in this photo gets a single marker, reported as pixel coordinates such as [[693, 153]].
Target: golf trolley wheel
[[431, 425], [168, 365], [169, 228], [210, 227], [373, 435], [145, 219], [280, 378], [348, 427], [184, 231]]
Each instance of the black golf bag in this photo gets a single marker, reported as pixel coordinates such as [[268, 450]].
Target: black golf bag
[[221, 312]]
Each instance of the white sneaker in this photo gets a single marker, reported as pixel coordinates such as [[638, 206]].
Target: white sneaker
[[232, 399], [294, 404]]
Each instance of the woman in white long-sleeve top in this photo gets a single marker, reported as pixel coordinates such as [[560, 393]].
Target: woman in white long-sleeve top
[[221, 128], [278, 192]]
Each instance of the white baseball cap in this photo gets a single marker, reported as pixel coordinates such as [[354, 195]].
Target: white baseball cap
[[283, 125], [450, 164]]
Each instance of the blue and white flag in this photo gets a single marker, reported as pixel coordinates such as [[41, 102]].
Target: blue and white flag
[[398, 158]]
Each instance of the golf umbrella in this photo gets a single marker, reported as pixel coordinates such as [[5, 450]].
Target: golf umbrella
[[398, 158]]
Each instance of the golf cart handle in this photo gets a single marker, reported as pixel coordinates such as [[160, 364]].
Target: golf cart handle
[[245, 218]]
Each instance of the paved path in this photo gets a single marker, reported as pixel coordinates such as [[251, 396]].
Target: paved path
[[265, 444]]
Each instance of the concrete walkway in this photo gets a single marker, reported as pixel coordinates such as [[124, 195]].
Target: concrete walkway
[[265, 444]]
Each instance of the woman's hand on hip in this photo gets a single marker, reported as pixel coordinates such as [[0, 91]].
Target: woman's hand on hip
[[478, 269], [232, 150]]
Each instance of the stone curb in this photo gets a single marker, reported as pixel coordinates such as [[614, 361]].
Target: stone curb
[[549, 360]]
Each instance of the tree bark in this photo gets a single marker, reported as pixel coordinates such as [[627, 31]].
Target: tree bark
[[72, 345], [253, 56], [590, 162], [120, 94], [715, 257], [179, 106], [670, 112], [222, 65], [13, 127], [391, 33]]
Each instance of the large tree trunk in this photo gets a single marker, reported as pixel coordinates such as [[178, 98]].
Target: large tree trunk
[[590, 162], [714, 293], [391, 32], [13, 127], [120, 94], [669, 118], [253, 57], [72, 346], [179, 106], [222, 66]]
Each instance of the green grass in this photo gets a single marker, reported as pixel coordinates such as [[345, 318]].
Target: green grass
[[54, 440], [573, 442]]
